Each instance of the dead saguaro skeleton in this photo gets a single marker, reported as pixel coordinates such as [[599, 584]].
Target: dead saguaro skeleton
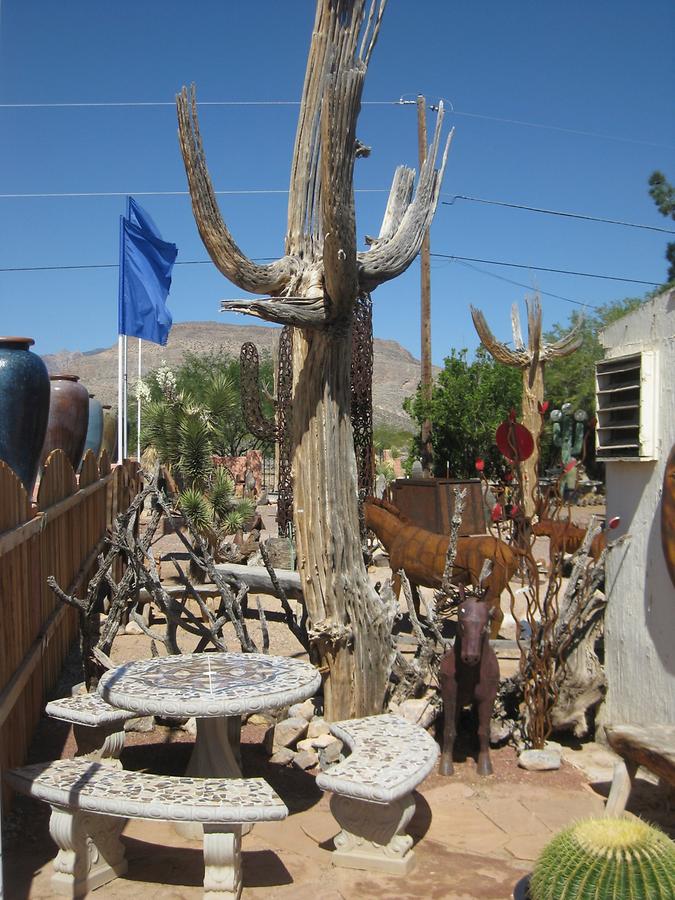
[[531, 360], [313, 288]]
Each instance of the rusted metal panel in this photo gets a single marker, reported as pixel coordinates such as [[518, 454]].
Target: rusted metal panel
[[430, 502]]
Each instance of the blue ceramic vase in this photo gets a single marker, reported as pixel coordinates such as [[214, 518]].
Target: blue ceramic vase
[[95, 428], [24, 407]]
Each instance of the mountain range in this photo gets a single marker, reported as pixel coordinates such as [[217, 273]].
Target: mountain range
[[396, 372]]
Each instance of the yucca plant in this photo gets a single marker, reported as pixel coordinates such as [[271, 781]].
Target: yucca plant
[[606, 859]]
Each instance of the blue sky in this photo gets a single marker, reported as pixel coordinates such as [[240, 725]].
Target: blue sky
[[599, 76]]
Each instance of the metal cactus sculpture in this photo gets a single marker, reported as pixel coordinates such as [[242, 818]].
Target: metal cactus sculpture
[[314, 288], [568, 436], [531, 360]]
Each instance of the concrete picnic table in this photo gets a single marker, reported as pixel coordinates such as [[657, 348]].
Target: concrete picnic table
[[215, 688]]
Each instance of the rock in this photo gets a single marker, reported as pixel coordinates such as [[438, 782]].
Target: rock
[[133, 628], [304, 710], [325, 740], [419, 712], [330, 754], [318, 727], [499, 731], [306, 759], [142, 724], [539, 760], [190, 726], [288, 732], [305, 744], [282, 757], [259, 719]]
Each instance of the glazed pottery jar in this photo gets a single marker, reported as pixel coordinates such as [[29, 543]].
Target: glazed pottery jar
[[110, 431], [24, 407], [95, 427], [68, 418]]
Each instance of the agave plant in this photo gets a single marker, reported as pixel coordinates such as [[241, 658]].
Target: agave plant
[[214, 511]]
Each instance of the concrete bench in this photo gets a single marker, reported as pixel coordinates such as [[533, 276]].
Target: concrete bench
[[90, 803], [650, 746], [372, 790], [98, 727]]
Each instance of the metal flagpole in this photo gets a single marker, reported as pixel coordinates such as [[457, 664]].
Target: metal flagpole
[[120, 398], [138, 404], [124, 401]]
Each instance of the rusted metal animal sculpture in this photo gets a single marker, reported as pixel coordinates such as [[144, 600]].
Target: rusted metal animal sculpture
[[422, 555], [566, 537], [469, 676]]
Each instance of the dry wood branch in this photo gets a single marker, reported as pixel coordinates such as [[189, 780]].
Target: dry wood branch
[[224, 252], [263, 625], [517, 358], [298, 629], [400, 196], [389, 258], [460, 496]]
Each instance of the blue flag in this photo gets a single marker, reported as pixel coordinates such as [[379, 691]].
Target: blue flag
[[146, 262]]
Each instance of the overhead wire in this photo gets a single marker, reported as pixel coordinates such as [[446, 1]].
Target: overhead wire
[[449, 256], [400, 102], [496, 262], [522, 284], [556, 212]]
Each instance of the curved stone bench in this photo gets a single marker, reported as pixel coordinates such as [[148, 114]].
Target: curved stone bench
[[90, 803], [372, 790], [98, 727]]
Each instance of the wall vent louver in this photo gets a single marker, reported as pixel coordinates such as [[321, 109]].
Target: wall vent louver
[[626, 395]]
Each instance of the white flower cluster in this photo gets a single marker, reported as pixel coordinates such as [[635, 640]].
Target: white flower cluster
[[142, 391], [166, 381]]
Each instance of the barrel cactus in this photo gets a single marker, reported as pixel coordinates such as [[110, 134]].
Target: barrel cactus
[[606, 859]]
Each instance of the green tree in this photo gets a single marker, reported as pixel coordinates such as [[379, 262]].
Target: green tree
[[662, 193], [188, 416], [468, 402], [196, 377], [388, 437]]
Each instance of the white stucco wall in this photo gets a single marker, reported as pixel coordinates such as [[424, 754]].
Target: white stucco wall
[[640, 616]]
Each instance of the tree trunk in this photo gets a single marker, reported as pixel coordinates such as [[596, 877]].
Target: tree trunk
[[533, 395], [348, 624]]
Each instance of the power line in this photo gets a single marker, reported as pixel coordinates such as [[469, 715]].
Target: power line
[[523, 285], [512, 265], [593, 134], [84, 194], [399, 102], [182, 262], [556, 212], [493, 262]]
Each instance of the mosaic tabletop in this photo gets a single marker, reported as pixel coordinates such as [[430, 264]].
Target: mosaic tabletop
[[209, 684]]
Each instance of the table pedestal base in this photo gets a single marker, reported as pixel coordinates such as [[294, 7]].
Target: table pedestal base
[[216, 754]]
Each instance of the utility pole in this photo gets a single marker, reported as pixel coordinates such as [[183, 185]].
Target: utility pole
[[425, 303]]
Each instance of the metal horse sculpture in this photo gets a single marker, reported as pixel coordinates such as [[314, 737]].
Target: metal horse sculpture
[[422, 555], [469, 676]]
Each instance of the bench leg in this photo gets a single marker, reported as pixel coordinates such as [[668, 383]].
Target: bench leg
[[90, 851], [373, 834], [103, 744], [222, 862], [622, 782]]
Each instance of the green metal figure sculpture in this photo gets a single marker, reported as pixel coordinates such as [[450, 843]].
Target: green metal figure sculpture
[[568, 435]]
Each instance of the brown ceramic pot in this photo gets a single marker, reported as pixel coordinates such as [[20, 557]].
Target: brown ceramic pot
[[68, 418], [109, 432]]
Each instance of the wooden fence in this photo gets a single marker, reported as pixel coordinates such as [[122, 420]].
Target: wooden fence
[[60, 535]]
